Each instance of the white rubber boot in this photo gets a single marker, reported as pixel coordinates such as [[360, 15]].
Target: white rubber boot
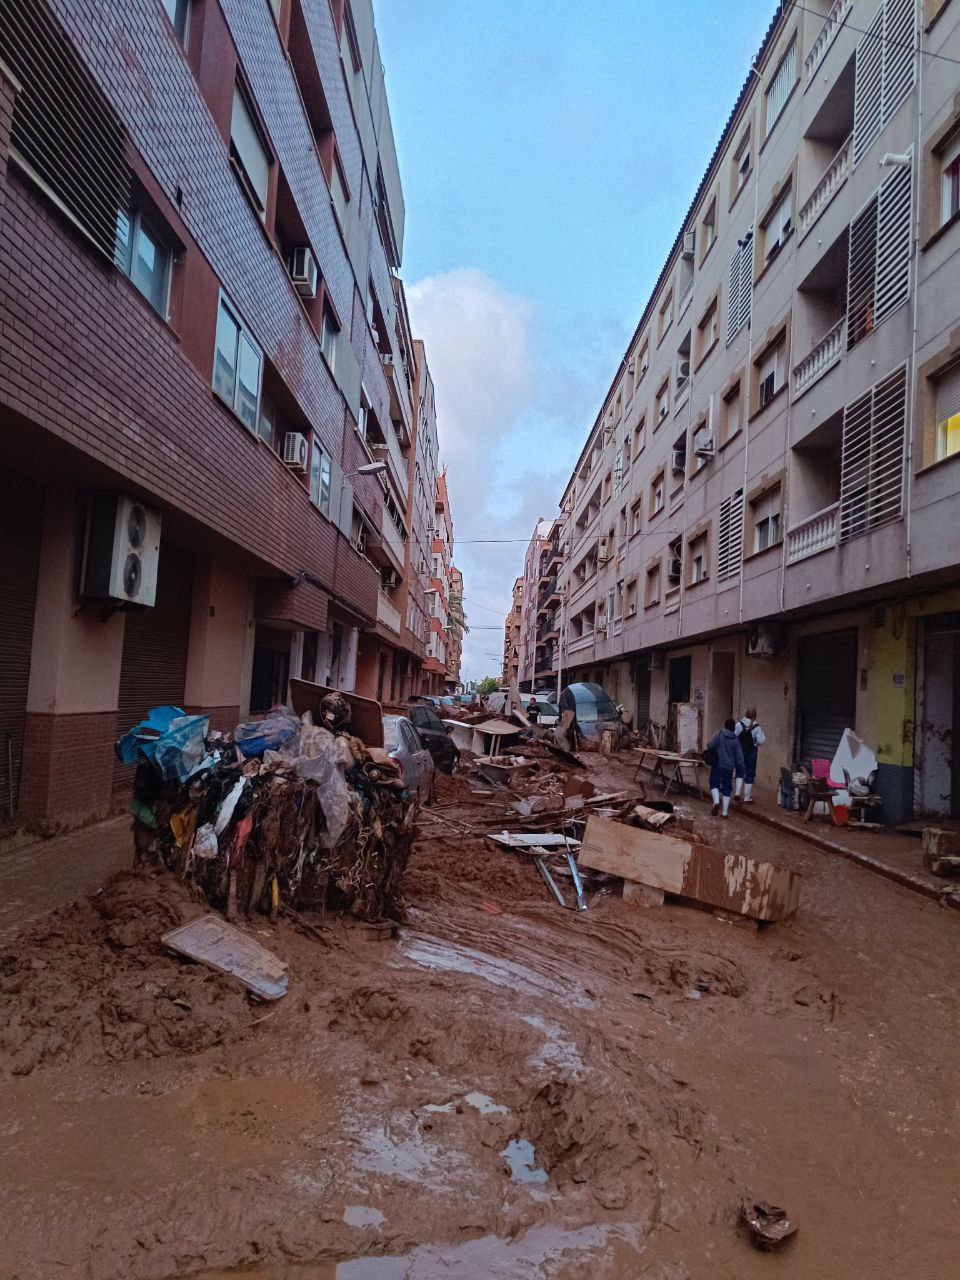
[[737, 788], [726, 807], [748, 793], [715, 797]]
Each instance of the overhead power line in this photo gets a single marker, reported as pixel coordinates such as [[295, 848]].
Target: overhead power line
[[896, 44]]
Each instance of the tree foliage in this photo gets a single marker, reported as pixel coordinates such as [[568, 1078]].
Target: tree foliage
[[489, 684]]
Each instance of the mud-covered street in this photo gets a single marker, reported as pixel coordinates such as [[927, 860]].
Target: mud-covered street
[[503, 1089]]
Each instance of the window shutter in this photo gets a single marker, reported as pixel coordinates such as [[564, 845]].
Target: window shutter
[[899, 37], [872, 456], [948, 394], [862, 273], [783, 81], [730, 536], [868, 88], [741, 285], [250, 149], [893, 243]]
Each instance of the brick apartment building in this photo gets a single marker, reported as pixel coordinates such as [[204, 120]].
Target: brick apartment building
[[436, 665], [534, 569], [201, 225], [511, 636], [766, 508]]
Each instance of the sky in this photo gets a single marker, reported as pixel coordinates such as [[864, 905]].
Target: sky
[[548, 151]]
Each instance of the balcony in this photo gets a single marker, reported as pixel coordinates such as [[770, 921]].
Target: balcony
[[388, 613], [834, 21], [815, 534], [824, 356], [388, 451], [581, 642], [392, 540], [685, 299], [836, 175]]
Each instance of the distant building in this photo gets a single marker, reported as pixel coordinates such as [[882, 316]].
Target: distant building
[[511, 636], [438, 593], [534, 567], [454, 630]]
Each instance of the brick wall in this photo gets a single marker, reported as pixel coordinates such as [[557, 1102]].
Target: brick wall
[[67, 768]]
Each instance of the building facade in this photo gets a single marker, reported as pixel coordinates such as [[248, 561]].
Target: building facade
[[455, 625], [765, 509], [438, 594], [534, 565], [511, 636], [206, 414]]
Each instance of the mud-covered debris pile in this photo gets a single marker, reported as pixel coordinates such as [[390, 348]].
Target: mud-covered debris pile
[[282, 811], [93, 981]]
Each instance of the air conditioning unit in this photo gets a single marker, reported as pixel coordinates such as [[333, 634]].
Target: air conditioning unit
[[390, 578], [303, 271], [679, 464], [388, 358], [689, 244], [763, 640], [675, 569], [631, 610], [631, 367], [121, 550], [683, 370], [295, 452], [703, 444]]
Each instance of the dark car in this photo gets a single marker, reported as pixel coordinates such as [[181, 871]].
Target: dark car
[[595, 709], [435, 736]]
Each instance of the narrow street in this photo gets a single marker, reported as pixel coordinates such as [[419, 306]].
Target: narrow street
[[157, 1126]]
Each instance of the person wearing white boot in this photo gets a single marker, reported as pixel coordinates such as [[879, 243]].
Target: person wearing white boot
[[725, 757], [751, 737]]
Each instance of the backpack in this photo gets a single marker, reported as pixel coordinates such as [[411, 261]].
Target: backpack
[[711, 756]]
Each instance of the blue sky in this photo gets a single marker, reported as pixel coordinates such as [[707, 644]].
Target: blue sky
[[548, 151]]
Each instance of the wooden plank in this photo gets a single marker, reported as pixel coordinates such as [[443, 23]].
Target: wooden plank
[[717, 879], [642, 895], [366, 715]]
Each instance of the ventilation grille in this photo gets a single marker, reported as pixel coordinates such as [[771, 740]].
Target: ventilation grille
[[730, 537], [872, 457], [741, 285], [64, 131], [885, 71], [879, 259]]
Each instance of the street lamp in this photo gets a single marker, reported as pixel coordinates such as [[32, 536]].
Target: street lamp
[[368, 469]]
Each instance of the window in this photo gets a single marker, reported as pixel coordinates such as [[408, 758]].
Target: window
[[741, 287], [630, 598], [666, 316], [237, 365], [143, 255], [703, 447], [622, 526], [766, 520], [742, 164], [339, 193], [636, 517], [651, 592], [656, 493], [678, 463], [638, 434], [320, 477], [248, 151], [732, 413], [708, 229], [730, 537], [618, 470], [884, 73], [698, 559], [878, 273], [643, 360], [779, 89], [674, 564], [708, 330], [872, 456], [948, 414], [778, 226], [178, 11], [663, 400], [950, 182], [328, 338], [771, 372]]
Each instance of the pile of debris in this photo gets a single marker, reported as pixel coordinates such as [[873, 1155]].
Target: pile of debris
[[283, 811]]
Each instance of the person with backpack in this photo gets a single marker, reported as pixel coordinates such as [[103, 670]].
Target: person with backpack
[[725, 757], [751, 737]]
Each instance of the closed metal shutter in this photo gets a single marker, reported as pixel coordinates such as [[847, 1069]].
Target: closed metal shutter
[[826, 692], [642, 680], [153, 671], [21, 514]]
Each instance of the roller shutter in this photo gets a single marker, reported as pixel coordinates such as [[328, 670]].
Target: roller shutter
[[153, 670], [21, 513], [826, 692]]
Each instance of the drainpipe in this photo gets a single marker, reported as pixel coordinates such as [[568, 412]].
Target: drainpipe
[[917, 164], [749, 368]]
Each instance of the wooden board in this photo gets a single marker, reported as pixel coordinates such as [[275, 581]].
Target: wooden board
[[366, 714], [717, 879]]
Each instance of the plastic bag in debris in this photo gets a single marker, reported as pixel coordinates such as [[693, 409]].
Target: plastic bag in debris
[[141, 740], [205, 843], [278, 726], [325, 762], [182, 750], [227, 806]]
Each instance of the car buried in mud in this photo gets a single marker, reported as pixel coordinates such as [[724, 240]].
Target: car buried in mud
[[404, 744]]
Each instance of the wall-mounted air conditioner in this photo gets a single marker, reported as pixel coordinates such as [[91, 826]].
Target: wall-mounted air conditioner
[[387, 358], [390, 578], [121, 550], [303, 271], [675, 569], [683, 369], [703, 444], [678, 463], [763, 640], [295, 452], [689, 244]]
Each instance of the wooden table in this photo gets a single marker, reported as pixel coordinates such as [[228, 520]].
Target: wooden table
[[668, 767]]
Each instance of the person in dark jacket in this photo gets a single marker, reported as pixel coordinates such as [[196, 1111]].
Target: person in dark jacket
[[728, 758], [533, 711]]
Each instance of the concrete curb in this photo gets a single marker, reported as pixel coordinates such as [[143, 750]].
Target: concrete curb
[[946, 896]]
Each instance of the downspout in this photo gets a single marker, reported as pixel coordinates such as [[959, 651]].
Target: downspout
[[749, 368], [917, 164]]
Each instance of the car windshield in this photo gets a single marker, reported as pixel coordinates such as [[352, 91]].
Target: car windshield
[[391, 732], [425, 718], [591, 702]]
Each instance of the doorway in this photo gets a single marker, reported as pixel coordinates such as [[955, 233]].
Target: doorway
[[720, 706], [939, 720], [680, 676], [826, 693]]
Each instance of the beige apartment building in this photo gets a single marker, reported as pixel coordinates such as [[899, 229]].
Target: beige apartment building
[[511, 636], [767, 508]]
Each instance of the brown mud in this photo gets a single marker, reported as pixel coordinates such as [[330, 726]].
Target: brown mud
[[506, 1089]]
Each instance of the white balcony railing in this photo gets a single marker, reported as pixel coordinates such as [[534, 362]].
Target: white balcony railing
[[824, 356], [816, 533], [826, 188], [388, 613], [834, 21], [685, 299], [581, 642]]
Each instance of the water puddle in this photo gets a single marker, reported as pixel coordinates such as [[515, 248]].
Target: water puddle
[[479, 1101], [521, 1157], [362, 1215], [450, 958]]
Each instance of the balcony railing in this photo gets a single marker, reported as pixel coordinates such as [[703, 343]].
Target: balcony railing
[[816, 533], [685, 299], [388, 613], [826, 188], [824, 356], [581, 642], [834, 21]]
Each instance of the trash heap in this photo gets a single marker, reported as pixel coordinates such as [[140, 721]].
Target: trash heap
[[283, 811]]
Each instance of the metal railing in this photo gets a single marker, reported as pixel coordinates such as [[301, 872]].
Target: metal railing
[[826, 188], [824, 356], [834, 21], [816, 533]]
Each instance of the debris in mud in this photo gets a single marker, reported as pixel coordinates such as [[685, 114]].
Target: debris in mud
[[768, 1225], [522, 1160], [225, 949]]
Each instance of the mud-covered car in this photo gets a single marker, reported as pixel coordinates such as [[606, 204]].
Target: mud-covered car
[[435, 735], [404, 745]]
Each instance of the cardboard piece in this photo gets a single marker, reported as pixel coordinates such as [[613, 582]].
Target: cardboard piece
[[366, 714], [221, 946], [726, 880]]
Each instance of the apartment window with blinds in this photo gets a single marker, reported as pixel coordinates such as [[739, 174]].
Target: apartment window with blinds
[[248, 151], [872, 456], [730, 537], [878, 272], [784, 78], [885, 71], [237, 367], [771, 373], [699, 562], [143, 254], [950, 183], [741, 287], [339, 193], [766, 520], [778, 226], [948, 414], [328, 338], [320, 471]]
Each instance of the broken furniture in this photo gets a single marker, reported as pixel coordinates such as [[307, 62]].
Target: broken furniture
[[941, 851], [488, 737], [726, 881], [669, 768], [542, 848]]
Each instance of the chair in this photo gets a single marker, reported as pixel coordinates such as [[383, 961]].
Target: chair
[[820, 791]]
